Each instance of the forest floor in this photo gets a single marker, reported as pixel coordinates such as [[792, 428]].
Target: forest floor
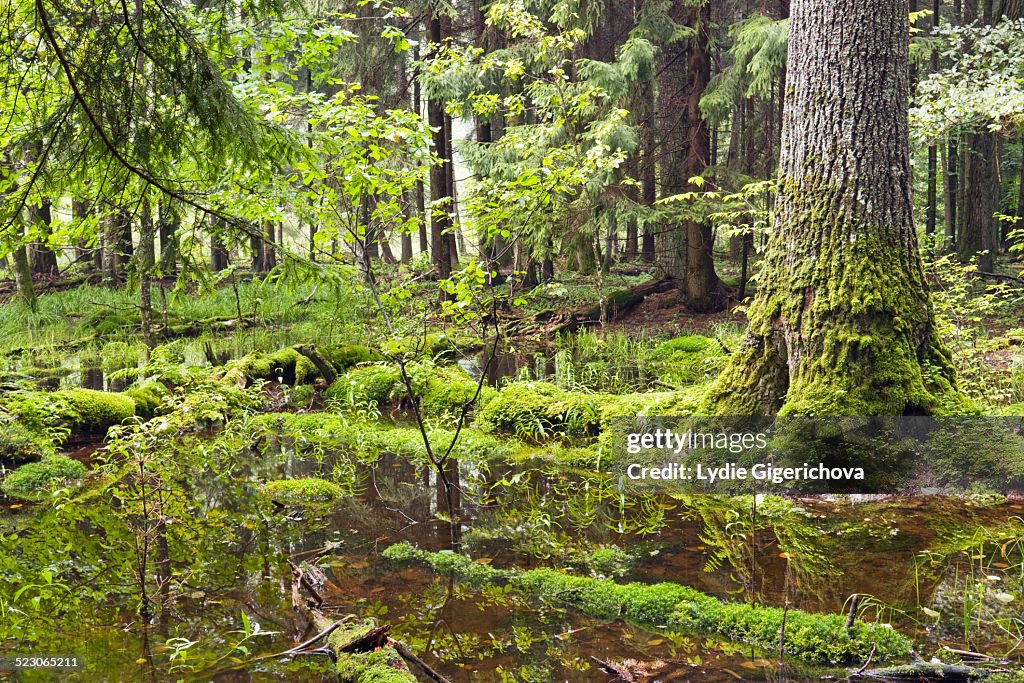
[[241, 484]]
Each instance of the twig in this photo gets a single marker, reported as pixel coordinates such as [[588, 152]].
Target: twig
[[871, 654], [410, 657]]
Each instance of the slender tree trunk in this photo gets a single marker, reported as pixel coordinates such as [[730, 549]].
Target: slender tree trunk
[[170, 221], [43, 258], [23, 276], [703, 291], [842, 323], [146, 258], [440, 215]]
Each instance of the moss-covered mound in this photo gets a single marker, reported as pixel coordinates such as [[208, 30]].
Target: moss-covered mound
[[444, 390], [149, 399], [286, 365], [817, 638], [345, 356], [539, 410], [309, 491], [97, 411], [379, 384], [364, 440], [34, 480], [690, 359]]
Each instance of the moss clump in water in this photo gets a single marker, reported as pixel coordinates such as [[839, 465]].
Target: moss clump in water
[[34, 480], [817, 638], [305, 491]]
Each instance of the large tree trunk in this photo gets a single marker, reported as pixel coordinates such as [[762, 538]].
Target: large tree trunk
[[842, 323]]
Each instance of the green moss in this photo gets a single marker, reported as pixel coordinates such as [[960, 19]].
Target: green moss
[[305, 491], [817, 638], [19, 443], [97, 411], [380, 384], [149, 399], [540, 410], [444, 390], [342, 357], [286, 365], [692, 359], [433, 346], [383, 665], [33, 481]]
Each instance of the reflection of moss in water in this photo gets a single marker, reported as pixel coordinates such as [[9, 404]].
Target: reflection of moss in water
[[812, 637]]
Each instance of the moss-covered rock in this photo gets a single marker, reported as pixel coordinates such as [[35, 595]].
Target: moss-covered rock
[[286, 365], [149, 399], [817, 638], [98, 411], [344, 356], [308, 491], [539, 410], [380, 384], [34, 480]]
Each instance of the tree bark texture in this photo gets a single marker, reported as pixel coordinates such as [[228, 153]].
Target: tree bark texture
[[842, 323]]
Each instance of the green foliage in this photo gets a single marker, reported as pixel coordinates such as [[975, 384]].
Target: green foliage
[[758, 56], [815, 638], [35, 480], [150, 399], [982, 89], [19, 443]]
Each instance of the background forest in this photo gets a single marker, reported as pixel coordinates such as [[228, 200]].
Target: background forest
[[316, 320]]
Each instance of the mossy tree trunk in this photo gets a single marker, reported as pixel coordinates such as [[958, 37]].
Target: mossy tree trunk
[[842, 323]]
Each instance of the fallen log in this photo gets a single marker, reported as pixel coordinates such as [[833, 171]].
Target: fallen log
[[925, 671], [613, 305]]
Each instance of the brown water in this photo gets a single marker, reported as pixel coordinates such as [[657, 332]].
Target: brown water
[[906, 555]]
